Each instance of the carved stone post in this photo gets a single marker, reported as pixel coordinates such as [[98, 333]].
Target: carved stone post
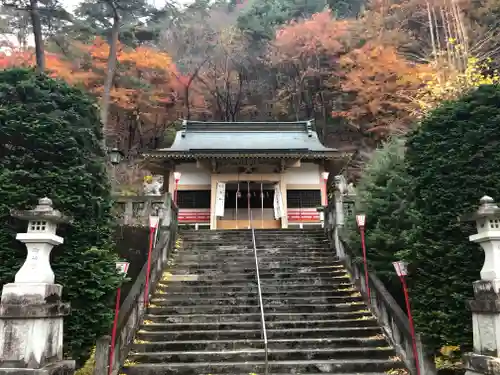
[[31, 311], [485, 306]]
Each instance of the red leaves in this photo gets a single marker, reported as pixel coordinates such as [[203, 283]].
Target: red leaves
[[383, 85], [318, 35]]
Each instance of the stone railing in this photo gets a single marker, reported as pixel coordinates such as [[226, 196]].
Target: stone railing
[[135, 210], [132, 310], [389, 314]]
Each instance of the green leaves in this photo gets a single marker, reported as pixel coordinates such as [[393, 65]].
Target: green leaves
[[50, 145], [453, 160], [382, 194]]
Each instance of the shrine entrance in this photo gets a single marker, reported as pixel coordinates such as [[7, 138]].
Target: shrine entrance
[[250, 203]]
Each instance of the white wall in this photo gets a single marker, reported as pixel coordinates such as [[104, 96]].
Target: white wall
[[306, 174], [191, 175]]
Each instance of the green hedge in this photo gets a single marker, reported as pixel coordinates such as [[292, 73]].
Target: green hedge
[[383, 195], [50, 145], [453, 160]]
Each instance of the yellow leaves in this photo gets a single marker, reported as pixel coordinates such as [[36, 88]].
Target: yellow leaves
[[449, 358], [449, 350], [449, 82]]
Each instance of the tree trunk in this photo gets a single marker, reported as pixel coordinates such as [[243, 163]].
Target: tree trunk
[[108, 83], [37, 33]]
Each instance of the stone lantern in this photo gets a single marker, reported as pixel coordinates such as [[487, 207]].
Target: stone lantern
[[31, 311], [485, 306]]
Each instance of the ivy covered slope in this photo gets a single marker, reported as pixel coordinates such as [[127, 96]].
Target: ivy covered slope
[[50, 145], [383, 195], [453, 159]]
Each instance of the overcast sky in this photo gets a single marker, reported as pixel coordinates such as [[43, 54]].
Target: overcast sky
[[72, 4]]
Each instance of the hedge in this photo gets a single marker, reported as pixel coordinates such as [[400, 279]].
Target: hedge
[[51, 145], [453, 159]]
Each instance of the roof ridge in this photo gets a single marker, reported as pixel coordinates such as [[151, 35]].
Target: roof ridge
[[247, 126]]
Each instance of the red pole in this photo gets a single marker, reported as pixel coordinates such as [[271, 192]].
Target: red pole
[[326, 192], [146, 287], [412, 327], [113, 333], [363, 246]]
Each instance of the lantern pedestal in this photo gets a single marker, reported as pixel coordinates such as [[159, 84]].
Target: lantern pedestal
[[31, 311]]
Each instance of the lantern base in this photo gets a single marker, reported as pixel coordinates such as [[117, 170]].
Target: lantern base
[[31, 328], [485, 310], [476, 364], [66, 367]]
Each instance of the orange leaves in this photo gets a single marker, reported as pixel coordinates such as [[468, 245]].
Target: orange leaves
[[383, 85], [321, 34]]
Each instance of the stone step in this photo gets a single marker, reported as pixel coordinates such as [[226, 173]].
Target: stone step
[[263, 263], [268, 308], [335, 366], [253, 292], [323, 342], [256, 317], [256, 333], [188, 284], [164, 300], [248, 269], [368, 322], [261, 253], [259, 354], [264, 276], [210, 259]]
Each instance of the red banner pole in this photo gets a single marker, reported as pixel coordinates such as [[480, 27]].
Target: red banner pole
[[113, 333], [410, 320], [146, 287], [365, 261]]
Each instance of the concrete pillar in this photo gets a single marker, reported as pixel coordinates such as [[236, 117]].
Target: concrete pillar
[[31, 311], [485, 306]]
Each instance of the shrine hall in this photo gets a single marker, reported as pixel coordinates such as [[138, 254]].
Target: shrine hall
[[233, 175]]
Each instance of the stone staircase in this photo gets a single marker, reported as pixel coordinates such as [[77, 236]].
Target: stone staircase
[[206, 318]]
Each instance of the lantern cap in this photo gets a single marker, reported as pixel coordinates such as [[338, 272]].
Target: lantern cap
[[122, 267], [361, 220], [177, 176], [43, 211], [487, 208], [115, 156], [153, 221], [325, 175], [401, 268]]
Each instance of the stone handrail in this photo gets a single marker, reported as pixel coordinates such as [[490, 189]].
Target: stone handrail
[[132, 310], [135, 210], [389, 314]]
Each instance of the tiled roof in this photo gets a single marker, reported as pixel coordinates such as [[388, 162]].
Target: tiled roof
[[246, 137]]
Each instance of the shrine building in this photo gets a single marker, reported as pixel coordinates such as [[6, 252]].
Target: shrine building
[[231, 175]]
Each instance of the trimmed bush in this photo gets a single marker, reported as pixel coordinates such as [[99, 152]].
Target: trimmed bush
[[453, 159], [382, 194], [51, 145]]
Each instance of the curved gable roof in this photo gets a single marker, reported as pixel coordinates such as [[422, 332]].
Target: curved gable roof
[[203, 137]]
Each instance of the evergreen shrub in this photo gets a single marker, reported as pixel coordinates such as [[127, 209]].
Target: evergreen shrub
[[383, 195], [51, 145], [453, 159]]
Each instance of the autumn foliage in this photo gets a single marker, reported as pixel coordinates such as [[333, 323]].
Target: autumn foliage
[[382, 86], [320, 67], [147, 94]]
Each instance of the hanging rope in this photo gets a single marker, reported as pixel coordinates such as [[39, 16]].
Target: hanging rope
[[238, 195], [248, 202], [261, 204]]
